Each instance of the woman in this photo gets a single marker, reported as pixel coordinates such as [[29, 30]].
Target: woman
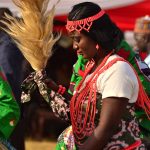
[[102, 107], [124, 50]]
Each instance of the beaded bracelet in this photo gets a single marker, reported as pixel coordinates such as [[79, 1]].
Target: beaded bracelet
[[61, 90]]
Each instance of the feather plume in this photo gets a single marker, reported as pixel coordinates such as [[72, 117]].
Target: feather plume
[[34, 33]]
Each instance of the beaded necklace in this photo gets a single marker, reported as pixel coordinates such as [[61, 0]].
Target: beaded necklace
[[83, 124]]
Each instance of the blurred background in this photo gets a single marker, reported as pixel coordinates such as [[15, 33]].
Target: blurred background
[[38, 128]]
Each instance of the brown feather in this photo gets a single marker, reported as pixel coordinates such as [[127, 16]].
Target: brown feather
[[34, 33]]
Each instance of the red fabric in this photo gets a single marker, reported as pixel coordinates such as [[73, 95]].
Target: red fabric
[[133, 146], [123, 53], [61, 28], [81, 72], [143, 55], [124, 17]]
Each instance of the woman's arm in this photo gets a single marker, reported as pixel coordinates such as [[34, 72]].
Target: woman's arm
[[111, 114]]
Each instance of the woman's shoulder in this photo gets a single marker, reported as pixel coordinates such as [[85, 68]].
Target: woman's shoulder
[[119, 80], [120, 65], [120, 70]]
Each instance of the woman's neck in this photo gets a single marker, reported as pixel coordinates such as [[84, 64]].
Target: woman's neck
[[98, 58]]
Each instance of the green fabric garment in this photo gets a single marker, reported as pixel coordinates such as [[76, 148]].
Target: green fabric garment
[[76, 77], [9, 109], [62, 146]]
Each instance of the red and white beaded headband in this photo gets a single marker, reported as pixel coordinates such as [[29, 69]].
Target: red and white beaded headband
[[85, 24]]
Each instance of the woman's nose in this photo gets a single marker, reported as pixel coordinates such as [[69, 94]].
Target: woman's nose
[[75, 46]]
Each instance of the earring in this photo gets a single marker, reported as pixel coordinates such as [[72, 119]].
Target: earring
[[97, 46]]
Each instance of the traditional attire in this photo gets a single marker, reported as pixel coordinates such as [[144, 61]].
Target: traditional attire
[[108, 83], [125, 51]]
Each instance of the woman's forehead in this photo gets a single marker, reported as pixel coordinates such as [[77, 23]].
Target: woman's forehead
[[75, 33]]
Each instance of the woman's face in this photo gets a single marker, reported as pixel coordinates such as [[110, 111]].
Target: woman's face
[[84, 45]]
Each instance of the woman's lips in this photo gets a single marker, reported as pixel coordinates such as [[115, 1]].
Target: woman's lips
[[79, 52]]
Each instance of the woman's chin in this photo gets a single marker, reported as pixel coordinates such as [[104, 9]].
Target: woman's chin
[[86, 57]]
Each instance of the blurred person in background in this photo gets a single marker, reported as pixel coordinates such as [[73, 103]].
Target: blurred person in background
[[142, 36], [11, 61]]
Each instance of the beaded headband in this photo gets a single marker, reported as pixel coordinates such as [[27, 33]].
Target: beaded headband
[[85, 24]]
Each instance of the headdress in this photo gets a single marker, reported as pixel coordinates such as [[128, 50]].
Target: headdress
[[142, 25], [83, 24]]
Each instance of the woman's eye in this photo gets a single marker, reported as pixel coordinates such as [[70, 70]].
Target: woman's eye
[[76, 39]]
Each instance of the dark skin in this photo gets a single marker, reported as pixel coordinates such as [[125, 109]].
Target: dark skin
[[113, 108], [86, 47]]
